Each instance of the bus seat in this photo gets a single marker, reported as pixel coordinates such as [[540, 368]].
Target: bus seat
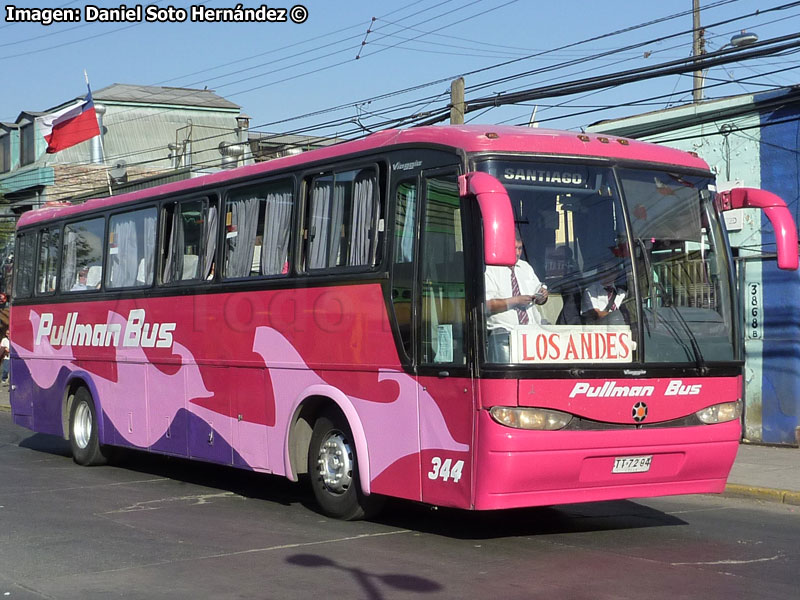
[[189, 266], [94, 276]]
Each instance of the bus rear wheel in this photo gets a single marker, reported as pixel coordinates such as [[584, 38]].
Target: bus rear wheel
[[333, 470], [83, 433]]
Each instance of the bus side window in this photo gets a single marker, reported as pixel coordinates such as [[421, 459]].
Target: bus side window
[[82, 257], [49, 242], [243, 227], [24, 262], [131, 249], [258, 230], [343, 220], [190, 240]]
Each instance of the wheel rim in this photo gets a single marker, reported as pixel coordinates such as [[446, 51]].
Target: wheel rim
[[82, 427], [336, 463]]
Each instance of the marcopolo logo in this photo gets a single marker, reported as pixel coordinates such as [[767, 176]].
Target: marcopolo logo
[[136, 332], [639, 412]]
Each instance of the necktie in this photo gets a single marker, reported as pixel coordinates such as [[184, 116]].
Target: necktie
[[522, 314], [612, 292]]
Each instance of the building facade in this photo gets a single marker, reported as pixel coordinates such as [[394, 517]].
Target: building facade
[[146, 132]]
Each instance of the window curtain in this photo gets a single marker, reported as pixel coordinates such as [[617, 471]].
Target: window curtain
[[244, 220], [336, 222], [406, 244], [362, 220], [69, 270], [44, 262], [320, 218], [169, 263], [125, 262], [277, 221], [149, 247], [210, 237]]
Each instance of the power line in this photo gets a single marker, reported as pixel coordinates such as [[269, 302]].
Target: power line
[[402, 119], [779, 44]]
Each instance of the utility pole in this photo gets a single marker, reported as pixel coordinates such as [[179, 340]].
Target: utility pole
[[698, 48], [457, 101]]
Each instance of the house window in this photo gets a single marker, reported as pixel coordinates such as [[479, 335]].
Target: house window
[[5, 153], [27, 150]]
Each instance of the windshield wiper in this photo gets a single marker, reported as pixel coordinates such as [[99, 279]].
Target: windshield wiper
[[698, 354]]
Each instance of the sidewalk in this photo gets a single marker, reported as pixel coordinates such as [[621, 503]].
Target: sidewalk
[[762, 472]]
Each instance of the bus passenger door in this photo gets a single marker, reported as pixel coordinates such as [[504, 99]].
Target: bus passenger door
[[442, 350]]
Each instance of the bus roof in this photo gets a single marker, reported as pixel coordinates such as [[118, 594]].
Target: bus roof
[[469, 138]]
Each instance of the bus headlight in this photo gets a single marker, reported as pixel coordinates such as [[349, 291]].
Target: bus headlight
[[530, 418], [720, 413]]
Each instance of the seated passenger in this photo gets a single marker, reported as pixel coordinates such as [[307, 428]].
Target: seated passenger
[[81, 284], [511, 293], [603, 298]]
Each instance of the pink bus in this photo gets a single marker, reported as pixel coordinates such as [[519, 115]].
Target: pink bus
[[348, 316]]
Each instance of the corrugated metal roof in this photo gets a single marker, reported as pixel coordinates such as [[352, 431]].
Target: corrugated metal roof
[[147, 94], [141, 136]]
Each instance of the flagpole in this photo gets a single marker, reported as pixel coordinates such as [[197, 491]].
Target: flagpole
[[102, 148]]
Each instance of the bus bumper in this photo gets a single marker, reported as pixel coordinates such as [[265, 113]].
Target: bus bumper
[[516, 468]]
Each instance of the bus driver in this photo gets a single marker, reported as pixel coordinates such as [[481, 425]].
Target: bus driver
[[511, 293]]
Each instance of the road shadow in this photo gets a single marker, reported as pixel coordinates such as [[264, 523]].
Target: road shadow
[[244, 483], [546, 520], [458, 524], [371, 583], [47, 444]]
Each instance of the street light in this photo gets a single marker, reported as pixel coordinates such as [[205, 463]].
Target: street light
[[739, 40], [745, 38]]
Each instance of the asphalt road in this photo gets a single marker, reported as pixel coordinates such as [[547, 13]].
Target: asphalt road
[[153, 527]]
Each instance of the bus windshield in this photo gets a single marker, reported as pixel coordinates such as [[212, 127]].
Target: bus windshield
[[614, 266]]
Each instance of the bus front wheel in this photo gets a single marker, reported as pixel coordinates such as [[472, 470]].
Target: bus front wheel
[[333, 470], [83, 433]]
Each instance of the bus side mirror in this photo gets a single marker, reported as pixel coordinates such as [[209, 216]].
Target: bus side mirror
[[498, 218], [777, 213]]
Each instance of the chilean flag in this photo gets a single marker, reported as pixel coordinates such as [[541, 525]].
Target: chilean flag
[[71, 125]]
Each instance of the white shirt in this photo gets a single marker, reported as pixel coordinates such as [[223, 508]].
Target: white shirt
[[498, 286], [596, 296]]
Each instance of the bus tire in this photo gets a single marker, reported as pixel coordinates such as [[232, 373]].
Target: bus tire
[[84, 437], [333, 470]]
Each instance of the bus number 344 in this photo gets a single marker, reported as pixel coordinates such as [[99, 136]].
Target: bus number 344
[[447, 470]]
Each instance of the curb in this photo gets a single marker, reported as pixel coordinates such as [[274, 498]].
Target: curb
[[762, 493]]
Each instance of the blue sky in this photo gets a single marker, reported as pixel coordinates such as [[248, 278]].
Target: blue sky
[[280, 71]]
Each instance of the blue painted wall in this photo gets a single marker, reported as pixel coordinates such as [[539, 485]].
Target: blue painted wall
[[780, 173]]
